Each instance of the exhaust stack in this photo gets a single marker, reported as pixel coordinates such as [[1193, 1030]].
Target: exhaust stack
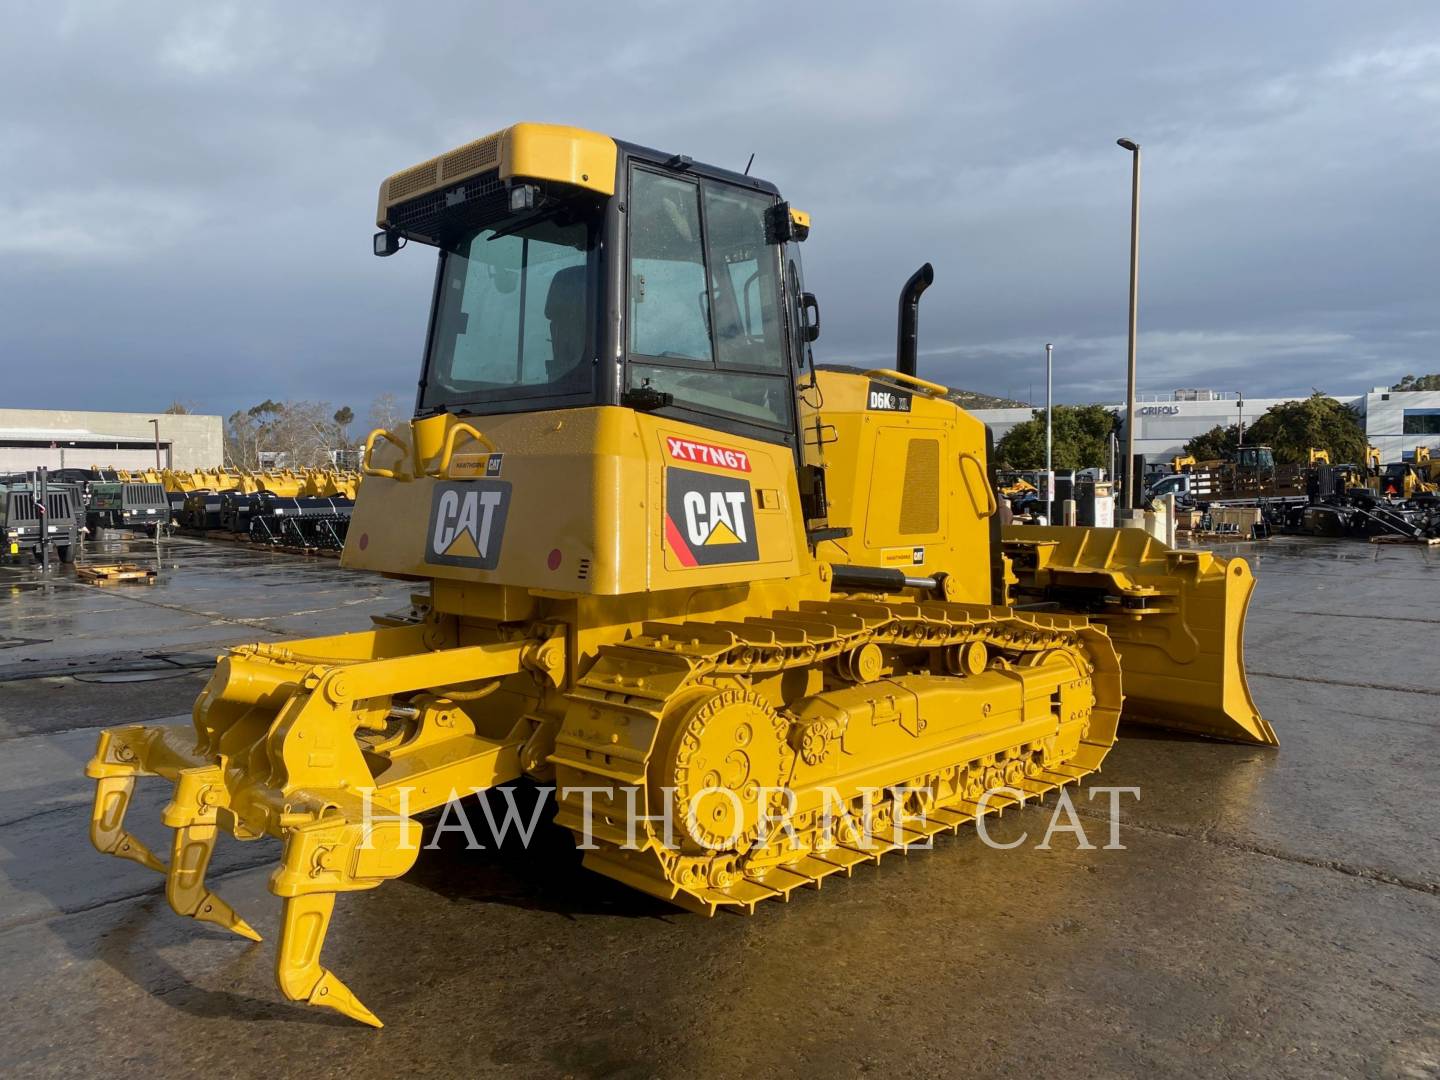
[[905, 346]]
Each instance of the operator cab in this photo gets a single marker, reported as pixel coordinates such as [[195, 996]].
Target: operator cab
[[1255, 458], [576, 270], [1177, 485], [1400, 478]]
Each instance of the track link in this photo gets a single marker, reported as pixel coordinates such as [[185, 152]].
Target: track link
[[849, 710]]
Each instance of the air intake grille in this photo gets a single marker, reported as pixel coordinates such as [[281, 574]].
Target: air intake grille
[[413, 180], [920, 500], [482, 198], [145, 495], [472, 157]]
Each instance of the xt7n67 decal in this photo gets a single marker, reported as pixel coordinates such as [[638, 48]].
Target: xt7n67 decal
[[709, 519], [703, 453], [467, 523]]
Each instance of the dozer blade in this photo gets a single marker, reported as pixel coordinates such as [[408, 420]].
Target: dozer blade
[[1176, 617]]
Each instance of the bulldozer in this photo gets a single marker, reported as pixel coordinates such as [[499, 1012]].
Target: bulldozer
[[755, 623]]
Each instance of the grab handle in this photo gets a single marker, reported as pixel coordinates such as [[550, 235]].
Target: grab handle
[[442, 464], [378, 435], [913, 380], [991, 504]]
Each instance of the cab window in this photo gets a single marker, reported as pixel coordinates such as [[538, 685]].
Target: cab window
[[744, 285], [704, 299], [669, 304], [511, 314]]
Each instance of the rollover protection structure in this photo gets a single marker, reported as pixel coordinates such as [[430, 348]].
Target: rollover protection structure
[[671, 568]]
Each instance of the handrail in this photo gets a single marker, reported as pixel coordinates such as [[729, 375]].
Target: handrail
[[442, 465], [394, 440], [966, 455], [913, 380]]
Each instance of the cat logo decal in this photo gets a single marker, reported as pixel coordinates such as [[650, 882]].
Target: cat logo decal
[[709, 520], [467, 523]]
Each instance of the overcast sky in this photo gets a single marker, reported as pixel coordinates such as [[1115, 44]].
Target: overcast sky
[[188, 190]]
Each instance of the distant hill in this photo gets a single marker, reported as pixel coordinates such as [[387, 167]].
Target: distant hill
[[966, 399]]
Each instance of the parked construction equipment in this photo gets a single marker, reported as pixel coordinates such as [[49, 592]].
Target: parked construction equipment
[[1397, 500], [675, 571], [299, 510], [271, 519], [128, 504], [1251, 475], [1360, 512], [308, 509], [203, 510], [31, 522]]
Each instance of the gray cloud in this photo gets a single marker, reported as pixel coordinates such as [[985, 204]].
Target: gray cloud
[[188, 190]]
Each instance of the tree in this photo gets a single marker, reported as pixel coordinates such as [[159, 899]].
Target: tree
[[1081, 439], [344, 417], [1217, 444], [1424, 382], [1293, 427], [385, 412], [179, 408], [287, 434]]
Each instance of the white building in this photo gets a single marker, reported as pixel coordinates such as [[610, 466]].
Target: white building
[[56, 439], [1395, 421]]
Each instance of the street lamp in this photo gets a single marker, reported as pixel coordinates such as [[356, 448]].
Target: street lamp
[[1049, 435], [1134, 149], [156, 425], [1240, 425]]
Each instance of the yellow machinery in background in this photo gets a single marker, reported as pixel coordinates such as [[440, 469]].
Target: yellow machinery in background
[[287, 483], [1407, 479], [1011, 485], [667, 566], [1427, 469]]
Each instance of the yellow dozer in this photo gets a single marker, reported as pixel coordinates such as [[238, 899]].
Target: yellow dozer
[[753, 623]]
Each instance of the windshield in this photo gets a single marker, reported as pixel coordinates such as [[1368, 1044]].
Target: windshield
[[1258, 457], [511, 315]]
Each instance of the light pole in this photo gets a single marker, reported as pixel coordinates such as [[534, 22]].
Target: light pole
[[1240, 424], [1049, 435], [1134, 149], [156, 425]]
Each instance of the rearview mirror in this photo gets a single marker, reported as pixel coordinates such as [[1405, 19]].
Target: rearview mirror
[[810, 316]]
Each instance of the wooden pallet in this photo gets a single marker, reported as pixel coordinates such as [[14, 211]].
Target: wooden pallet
[[111, 573], [1224, 537]]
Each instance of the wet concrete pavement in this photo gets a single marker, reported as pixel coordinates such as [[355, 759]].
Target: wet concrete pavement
[[1272, 912]]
